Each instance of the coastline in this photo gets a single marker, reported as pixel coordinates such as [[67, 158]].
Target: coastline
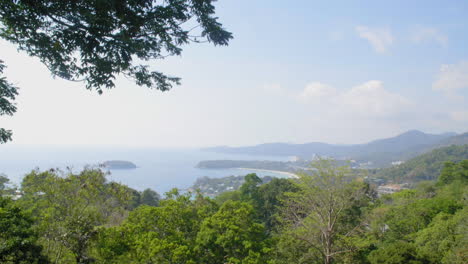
[[289, 174]]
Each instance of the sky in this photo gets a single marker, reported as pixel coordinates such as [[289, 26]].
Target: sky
[[296, 71]]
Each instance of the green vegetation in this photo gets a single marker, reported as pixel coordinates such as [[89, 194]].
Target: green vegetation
[[424, 167], [326, 215], [18, 239], [3, 184], [95, 41], [215, 186]]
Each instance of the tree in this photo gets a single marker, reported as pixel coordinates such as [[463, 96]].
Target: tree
[[271, 194], [454, 172], [227, 196], [17, 237], [232, 235], [8, 93], [149, 197], [163, 234], [320, 214], [423, 225], [94, 41], [70, 207], [3, 182], [399, 252], [249, 190], [435, 242]]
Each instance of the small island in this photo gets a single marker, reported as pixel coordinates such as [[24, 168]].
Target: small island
[[119, 165]]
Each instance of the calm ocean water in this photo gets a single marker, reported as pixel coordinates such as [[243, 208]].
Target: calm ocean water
[[159, 169]]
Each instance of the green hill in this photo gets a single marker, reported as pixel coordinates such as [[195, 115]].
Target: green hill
[[458, 140], [381, 153], [424, 167]]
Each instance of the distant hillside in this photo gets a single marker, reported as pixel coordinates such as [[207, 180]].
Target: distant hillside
[[461, 139], [424, 167], [380, 152]]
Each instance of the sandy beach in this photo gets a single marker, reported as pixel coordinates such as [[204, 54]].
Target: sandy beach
[[289, 174]]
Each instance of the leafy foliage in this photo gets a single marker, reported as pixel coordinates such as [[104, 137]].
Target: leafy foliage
[[395, 253], [3, 183], [163, 234], [271, 196], [8, 93], [424, 167], [232, 235], [17, 237], [325, 216], [69, 208], [150, 197], [94, 41], [321, 213], [425, 225]]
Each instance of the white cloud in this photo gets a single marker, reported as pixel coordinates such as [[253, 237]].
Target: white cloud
[[370, 98], [426, 34], [459, 116], [367, 99], [379, 38], [317, 91], [451, 78]]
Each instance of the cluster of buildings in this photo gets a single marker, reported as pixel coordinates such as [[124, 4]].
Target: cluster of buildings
[[390, 188], [383, 187]]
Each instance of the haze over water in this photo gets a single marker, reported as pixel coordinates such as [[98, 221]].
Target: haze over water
[[158, 169]]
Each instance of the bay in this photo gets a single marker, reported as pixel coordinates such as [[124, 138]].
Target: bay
[[158, 169]]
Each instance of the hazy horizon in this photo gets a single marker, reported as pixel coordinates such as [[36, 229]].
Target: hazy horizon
[[340, 73], [146, 147]]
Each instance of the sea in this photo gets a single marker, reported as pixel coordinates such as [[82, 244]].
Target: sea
[[157, 168]]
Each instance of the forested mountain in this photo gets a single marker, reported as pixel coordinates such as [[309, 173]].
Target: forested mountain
[[424, 167], [380, 152], [461, 139]]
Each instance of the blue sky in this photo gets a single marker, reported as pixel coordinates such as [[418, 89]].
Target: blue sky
[[296, 71]]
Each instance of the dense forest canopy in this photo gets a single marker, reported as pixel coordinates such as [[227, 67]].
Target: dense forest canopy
[[324, 216], [423, 167]]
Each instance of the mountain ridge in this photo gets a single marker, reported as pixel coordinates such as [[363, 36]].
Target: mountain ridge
[[381, 151]]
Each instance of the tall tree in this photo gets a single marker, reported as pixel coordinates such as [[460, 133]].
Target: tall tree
[[320, 214], [8, 93], [232, 235], [163, 234], [249, 189], [70, 207], [150, 197], [17, 237], [96, 40], [271, 195], [3, 183]]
